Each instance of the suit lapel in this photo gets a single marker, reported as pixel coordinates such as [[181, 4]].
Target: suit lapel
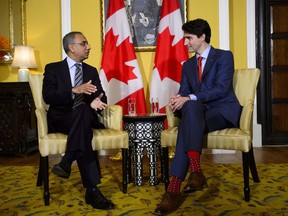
[[209, 62], [85, 69], [193, 69], [66, 73]]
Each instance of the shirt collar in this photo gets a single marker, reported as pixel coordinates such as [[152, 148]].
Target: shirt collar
[[71, 62], [205, 52]]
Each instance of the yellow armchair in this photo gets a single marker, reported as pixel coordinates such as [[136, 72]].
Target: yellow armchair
[[245, 84], [112, 137]]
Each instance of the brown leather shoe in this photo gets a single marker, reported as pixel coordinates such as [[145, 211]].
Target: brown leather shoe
[[169, 203], [196, 181]]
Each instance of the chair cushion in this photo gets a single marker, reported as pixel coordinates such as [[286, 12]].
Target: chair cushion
[[109, 139], [169, 137], [231, 138], [55, 143]]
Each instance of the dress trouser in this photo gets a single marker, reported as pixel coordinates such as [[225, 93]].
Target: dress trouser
[[78, 125], [196, 120]]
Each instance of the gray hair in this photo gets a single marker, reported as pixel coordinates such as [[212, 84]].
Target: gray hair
[[69, 39]]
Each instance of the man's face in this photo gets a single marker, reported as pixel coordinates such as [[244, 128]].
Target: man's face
[[80, 48], [193, 43]]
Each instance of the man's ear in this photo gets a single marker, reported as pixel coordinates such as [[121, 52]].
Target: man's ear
[[71, 48], [203, 36]]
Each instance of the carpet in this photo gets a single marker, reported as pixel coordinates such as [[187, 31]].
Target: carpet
[[224, 195]]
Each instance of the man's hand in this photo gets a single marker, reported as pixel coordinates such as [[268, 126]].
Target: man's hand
[[98, 104], [85, 88], [176, 102]]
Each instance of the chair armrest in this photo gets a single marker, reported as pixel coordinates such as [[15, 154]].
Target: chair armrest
[[246, 117], [41, 115], [172, 120], [112, 117]]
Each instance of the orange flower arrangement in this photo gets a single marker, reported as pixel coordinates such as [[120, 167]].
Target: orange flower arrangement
[[4, 44]]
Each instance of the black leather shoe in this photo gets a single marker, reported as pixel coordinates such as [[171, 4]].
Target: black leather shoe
[[63, 169], [97, 200]]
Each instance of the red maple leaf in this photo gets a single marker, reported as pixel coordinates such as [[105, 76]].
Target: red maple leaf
[[169, 58], [115, 58]]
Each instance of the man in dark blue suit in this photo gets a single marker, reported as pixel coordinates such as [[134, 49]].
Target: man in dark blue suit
[[205, 102], [76, 117]]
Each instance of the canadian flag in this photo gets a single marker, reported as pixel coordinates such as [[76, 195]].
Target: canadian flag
[[170, 54], [119, 73]]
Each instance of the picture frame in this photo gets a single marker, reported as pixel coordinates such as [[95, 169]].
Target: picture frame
[[143, 17], [13, 27]]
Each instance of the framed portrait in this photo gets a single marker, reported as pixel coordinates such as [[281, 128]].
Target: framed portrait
[[143, 17]]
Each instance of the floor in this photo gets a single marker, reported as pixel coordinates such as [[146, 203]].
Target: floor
[[266, 154]]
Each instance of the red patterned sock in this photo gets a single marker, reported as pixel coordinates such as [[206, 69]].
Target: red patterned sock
[[175, 184], [194, 158]]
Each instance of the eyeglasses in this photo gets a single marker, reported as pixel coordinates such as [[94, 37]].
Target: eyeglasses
[[83, 43]]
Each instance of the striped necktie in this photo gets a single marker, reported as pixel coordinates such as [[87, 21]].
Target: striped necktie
[[78, 81]]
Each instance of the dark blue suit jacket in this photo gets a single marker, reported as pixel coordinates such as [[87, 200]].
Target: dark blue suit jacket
[[216, 88]]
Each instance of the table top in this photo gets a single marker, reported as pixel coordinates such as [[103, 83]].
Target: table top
[[145, 117]]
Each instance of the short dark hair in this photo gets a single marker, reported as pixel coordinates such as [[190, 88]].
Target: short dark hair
[[69, 39], [198, 27]]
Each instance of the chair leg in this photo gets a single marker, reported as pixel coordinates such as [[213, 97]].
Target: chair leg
[[40, 176], [124, 170], [245, 161], [45, 173], [252, 166], [165, 161], [162, 164], [98, 163]]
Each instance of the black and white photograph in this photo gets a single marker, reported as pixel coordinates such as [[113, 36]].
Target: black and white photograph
[[143, 17]]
